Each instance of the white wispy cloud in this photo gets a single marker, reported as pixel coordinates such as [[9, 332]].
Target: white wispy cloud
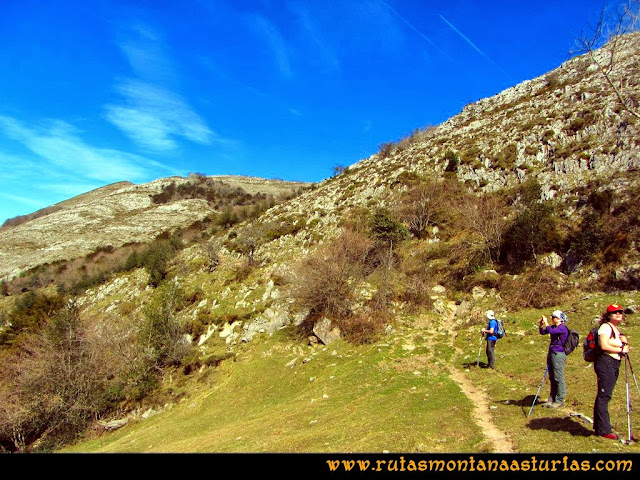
[[152, 115], [314, 33], [408, 24], [60, 149], [59, 164], [155, 117], [275, 41], [475, 47], [146, 52]]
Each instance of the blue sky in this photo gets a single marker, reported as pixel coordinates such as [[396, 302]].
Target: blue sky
[[99, 91]]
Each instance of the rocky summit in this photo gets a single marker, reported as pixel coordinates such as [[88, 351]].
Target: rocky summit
[[113, 215]]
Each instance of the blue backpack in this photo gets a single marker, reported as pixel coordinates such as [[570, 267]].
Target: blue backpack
[[500, 332]]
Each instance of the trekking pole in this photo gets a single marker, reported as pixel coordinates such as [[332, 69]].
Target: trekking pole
[[479, 350], [538, 393], [626, 379], [632, 374]]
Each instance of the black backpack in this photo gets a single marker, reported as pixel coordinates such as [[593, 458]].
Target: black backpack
[[571, 342], [591, 345]]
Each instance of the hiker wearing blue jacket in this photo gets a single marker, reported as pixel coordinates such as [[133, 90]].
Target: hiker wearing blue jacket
[[556, 358], [490, 332]]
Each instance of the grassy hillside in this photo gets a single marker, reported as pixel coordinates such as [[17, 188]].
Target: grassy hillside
[[395, 395]]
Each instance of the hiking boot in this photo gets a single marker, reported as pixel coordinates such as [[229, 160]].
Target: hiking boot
[[556, 405], [547, 404], [610, 436]]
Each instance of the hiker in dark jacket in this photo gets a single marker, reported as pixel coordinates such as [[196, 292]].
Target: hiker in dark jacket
[[556, 358], [613, 345]]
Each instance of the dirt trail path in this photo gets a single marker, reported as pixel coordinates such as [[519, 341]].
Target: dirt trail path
[[498, 441]]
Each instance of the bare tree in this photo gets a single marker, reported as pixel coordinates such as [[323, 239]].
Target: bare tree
[[484, 216], [420, 205], [212, 253], [606, 43]]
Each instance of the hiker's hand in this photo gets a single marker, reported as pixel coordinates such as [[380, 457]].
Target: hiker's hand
[[623, 338]]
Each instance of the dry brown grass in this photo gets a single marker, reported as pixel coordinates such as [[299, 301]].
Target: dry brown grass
[[538, 287]]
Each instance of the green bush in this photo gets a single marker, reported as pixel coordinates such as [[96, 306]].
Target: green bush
[[506, 159], [533, 232], [30, 314], [132, 261], [386, 229], [590, 236], [452, 160], [156, 257], [161, 334], [471, 157]]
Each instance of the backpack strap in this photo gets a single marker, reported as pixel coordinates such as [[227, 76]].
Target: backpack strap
[[612, 330]]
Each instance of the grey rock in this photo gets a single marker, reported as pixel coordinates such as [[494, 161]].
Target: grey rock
[[326, 331], [629, 274], [114, 424]]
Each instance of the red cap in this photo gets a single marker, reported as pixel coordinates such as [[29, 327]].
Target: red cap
[[614, 308]]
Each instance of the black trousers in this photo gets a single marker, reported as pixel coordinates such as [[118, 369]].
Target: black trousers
[[607, 369], [491, 353]]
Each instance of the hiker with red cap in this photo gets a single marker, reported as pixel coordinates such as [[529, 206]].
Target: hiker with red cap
[[612, 346], [556, 356]]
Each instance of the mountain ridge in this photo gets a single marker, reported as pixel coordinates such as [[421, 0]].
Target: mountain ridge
[[115, 214]]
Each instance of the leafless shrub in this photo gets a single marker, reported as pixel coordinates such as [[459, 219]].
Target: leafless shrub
[[386, 149], [212, 253], [609, 35], [361, 328], [55, 385], [416, 293], [420, 206], [539, 287], [484, 216], [326, 279]]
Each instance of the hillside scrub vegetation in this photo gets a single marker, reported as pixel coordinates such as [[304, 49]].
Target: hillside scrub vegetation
[[219, 195], [385, 263], [65, 376]]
